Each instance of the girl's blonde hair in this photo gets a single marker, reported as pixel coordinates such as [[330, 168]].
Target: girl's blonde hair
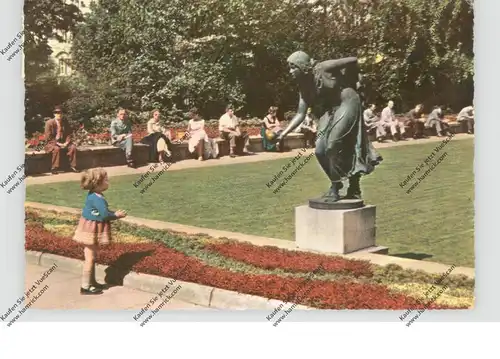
[[93, 178]]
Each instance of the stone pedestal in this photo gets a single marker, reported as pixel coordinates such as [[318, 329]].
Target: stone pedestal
[[339, 231]]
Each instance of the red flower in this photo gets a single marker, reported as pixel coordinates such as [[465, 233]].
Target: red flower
[[294, 261], [41, 138]]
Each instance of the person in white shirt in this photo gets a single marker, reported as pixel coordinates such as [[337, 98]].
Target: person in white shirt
[[372, 122], [389, 122], [197, 134], [309, 129], [230, 131], [467, 115]]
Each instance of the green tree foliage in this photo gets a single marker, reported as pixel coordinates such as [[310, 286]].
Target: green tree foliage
[[428, 51], [43, 20], [173, 54], [41, 95]]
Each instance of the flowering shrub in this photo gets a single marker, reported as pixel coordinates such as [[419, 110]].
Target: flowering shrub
[[37, 142], [157, 259]]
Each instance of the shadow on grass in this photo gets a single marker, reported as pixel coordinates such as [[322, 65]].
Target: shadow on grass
[[117, 270], [411, 255]]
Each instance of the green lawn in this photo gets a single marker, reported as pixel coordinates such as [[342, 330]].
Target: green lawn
[[434, 222]]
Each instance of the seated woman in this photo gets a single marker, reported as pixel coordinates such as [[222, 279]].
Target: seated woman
[[198, 138], [157, 139], [270, 129]]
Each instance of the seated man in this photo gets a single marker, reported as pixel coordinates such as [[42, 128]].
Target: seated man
[[309, 129], [58, 137], [372, 122], [230, 131], [467, 115], [121, 135], [389, 122], [435, 120], [415, 121]]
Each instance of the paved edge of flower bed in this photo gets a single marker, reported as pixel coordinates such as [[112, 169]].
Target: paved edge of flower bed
[[193, 293]]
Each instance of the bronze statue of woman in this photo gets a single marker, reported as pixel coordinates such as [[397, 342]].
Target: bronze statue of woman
[[342, 146]]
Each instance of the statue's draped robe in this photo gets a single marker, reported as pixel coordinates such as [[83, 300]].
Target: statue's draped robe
[[342, 146]]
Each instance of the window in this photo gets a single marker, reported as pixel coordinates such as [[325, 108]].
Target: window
[[63, 67]]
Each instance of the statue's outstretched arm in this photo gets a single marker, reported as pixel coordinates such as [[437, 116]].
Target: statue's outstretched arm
[[298, 118], [332, 65]]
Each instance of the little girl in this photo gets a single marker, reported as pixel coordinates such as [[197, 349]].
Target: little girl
[[94, 227]]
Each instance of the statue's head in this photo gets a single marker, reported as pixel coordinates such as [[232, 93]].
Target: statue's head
[[300, 63]]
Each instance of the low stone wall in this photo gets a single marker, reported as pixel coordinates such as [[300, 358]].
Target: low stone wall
[[87, 157], [108, 156]]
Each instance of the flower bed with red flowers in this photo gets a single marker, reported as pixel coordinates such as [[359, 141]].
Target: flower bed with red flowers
[[36, 142], [268, 257], [158, 259]]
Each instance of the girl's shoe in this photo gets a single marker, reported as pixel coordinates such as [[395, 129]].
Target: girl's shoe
[[99, 285], [92, 290]]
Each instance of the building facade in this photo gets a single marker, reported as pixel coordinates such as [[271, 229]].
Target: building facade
[[61, 50]]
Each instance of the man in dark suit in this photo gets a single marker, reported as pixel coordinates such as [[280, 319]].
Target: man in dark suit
[[58, 137], [415, 121]]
